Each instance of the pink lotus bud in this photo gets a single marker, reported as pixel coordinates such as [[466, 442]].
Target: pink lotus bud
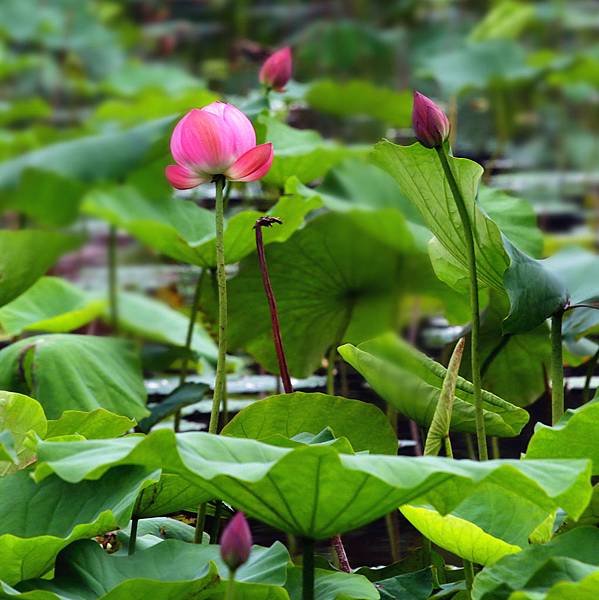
[[236, 542], [276, 70], [216, 140], [430, 123]]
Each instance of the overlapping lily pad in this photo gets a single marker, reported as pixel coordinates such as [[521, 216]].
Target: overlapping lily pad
[[314, 491], [287, 415], [411, 382], [66, 371], [41, 519]]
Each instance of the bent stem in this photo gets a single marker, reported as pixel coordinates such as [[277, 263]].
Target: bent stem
[[474, 302], [586, 392], [218, 398], [308, 570], [557, 368], [112, 280], [272, 302], [188, 339]]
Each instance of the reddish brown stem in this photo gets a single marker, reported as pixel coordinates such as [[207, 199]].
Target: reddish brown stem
[[272, 303], [341, 555]]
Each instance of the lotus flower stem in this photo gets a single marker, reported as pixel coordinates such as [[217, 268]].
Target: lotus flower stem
[[188, 339], [474, 301], [557, 368], [198, 534], [221, 368], [439, 430], [308, 570], [230, 592], [272, 303], [133, 535], [113, 280]]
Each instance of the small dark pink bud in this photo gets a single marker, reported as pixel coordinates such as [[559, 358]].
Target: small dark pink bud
[[430, 123], [236, 542], [276, 70]]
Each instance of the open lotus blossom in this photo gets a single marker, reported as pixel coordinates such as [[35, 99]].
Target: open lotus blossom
[[276, 70], [431, 125], [216, 140]]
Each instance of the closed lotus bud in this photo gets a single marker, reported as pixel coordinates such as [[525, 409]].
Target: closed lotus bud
[[236, 542], [431, 125], [276, 70]]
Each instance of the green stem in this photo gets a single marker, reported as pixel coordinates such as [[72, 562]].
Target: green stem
[[474, 302], [188, 339], [468, 575], [557, 368], [133, 535], [308, 570], [586, 392], [221, 368], [331, 370], [198, 535], [230, 592], [392, 524], [218, 509], [112, 280]]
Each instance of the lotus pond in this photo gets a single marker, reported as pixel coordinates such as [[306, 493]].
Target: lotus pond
[[299, 300]]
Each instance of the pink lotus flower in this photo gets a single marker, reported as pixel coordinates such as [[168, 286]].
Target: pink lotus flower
[[216, 140], [430, 123], [236, 542], [276, 70]]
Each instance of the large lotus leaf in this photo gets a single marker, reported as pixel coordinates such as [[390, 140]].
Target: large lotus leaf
[[328, 287], [534, 292], [314, 491], [184, 231], [411, 382], [66, 371], [96, 157], [361, 98], [523, 357], [51, 304], [168, 570], [41, 519], [288, 415], [519, 571], [574, 436], [458, 536], [20, 416], [26, 255], [330, 585], [155, 530], [300, 153], [154, 320]]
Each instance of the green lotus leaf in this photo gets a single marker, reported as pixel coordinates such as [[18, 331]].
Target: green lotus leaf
[[535, 293], [538, 567], [26, 255], [314, 491], [411, 382], [292, 414], [574, 436], [330, 585], [185, 231], [170, 569], [155, 530], [96, 424], [51, 304], [458, 536], [67, 371], [328, 288], [41, 519]]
